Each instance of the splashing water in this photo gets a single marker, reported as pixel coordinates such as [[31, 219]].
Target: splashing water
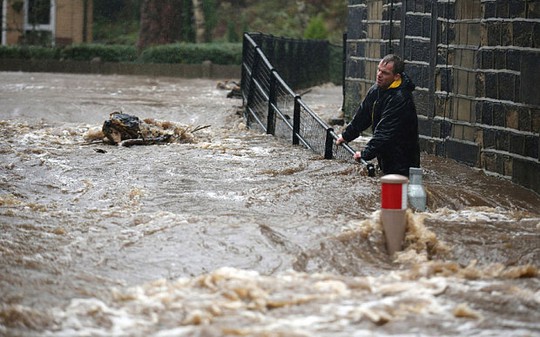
[[238, 233]]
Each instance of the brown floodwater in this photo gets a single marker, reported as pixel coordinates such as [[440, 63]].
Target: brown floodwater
[[236, 233]]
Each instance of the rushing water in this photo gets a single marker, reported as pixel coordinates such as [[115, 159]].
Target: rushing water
[[236, 233]]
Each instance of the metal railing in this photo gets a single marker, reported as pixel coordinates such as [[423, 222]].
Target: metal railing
[[301, 63], [273, 107]]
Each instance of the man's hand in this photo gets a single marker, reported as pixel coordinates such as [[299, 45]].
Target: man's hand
[[357, 155], [340, 140]]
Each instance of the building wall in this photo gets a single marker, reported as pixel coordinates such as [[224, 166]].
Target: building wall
[[14, 24], [474, 63], [69, 19]]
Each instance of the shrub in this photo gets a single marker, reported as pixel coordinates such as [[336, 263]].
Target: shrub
[[107, 53], [29, 53], [191, 53], [187, 53], [316, 29]]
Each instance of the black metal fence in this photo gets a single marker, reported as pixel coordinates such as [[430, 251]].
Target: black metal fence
[[272, 106], [301, 63]]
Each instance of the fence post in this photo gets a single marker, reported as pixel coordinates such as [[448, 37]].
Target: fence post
[[270, 53], [344, 70], [296, 120], [244, 82], [271, 120], [254, 69], [329, 144]]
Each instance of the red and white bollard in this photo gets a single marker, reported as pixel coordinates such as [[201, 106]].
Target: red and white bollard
[[393, 210]]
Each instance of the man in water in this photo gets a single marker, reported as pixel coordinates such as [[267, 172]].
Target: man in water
[[390, 111]]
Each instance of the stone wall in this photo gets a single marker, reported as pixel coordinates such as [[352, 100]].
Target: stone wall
[[204, 70], [475, 63]]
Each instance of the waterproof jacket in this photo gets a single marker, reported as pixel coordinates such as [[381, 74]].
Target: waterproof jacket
[[391, 113]]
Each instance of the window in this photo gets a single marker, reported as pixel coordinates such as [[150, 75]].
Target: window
[[39, 12], [39, 22]]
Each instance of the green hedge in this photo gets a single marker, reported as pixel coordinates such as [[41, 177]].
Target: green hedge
[[29, 52], [106, 53], [190, 53], [187, 53]]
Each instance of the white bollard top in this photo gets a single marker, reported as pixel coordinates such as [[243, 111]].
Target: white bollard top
[[394, 179]]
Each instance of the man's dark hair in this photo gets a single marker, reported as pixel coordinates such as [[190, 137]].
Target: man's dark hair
[[399, 65]]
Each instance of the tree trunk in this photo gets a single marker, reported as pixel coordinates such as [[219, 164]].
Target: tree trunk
[[198, 13], [161, 22]]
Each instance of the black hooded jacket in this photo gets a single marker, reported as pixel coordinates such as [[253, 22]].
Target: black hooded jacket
[[391, 113]]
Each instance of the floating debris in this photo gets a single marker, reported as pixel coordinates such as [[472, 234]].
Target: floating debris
[[127, 130]]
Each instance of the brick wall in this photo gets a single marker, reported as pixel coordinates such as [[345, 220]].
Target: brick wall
[[475, 63], [70, 21], [14, 24]]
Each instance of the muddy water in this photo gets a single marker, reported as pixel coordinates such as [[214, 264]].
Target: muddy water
[[236, 233]]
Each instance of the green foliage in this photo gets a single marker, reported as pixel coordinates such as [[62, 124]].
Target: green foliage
[[188, 28], [122, 32], [291, 18], [211, 17], [30, 53], [37, 38], [106, 53], [17, 5], [191, 53], [232, 35], [316, 29], [187, 53], [278, 23], [117, 21], [117, 10]]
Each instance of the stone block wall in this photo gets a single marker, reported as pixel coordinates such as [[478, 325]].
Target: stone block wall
[[475, 64]]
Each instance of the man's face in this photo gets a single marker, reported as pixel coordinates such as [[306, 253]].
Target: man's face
[[385, 74]]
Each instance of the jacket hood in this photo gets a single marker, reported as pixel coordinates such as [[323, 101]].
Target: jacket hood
[[406, 82]]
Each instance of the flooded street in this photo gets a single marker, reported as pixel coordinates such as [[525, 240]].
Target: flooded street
[[236, 233]]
